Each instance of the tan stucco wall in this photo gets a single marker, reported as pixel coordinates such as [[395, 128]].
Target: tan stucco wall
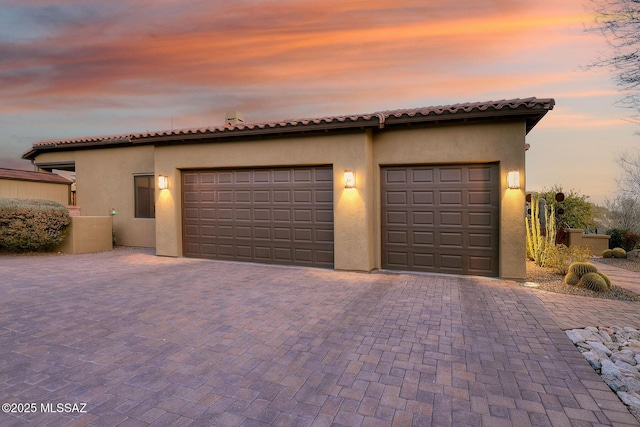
[[34, 190], [353, 210], [483, 143], [104, 179], [88, 234]]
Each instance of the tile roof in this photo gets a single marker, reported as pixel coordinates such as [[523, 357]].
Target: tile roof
[[21, 175], [532, 109]]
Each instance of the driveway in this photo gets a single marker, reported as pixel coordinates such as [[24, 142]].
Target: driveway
[[130, 339]]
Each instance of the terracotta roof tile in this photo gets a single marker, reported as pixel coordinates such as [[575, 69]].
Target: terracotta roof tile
[[21, 175], [533, 107]]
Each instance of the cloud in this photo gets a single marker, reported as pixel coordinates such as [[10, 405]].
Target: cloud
[[98, 54]]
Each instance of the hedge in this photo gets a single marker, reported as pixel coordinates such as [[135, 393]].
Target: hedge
[[32, 224]]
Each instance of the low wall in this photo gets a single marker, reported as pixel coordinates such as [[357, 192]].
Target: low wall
[[597, 243], [88, 234]]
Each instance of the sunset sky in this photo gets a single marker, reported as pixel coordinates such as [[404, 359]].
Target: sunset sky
[[83, 68]]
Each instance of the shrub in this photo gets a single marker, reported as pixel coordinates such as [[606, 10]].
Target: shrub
[[594, 282], [630, 241], [617, 237], [619, 253], [607, 253], [582, 268], [560, 257], [32, 224]]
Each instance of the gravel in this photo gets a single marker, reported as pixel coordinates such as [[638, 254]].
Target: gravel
[[548, 280]]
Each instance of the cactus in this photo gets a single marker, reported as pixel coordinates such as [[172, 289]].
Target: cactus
[[607, 253], [606, 279], [581, 268], [594, 282], [571, 279], [539, 244], [619, 253]]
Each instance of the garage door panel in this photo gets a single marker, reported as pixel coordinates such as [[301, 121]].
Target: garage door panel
[[422, 198], [262, 233], [278, 215], [451, 198], [224, 196], [449, 175], [423, 218], [422, 175], [480, 197], [453, 218]]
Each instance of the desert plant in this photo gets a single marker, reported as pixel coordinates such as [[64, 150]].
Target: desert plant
[[616, 237], [32, 224], [619, 253], [594, 282], [606, 279], [582, 268], [539, 242], [571, 279], [560, 257], [607, 253]]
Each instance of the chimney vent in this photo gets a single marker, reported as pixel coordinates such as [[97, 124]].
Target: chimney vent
[[233, 118]]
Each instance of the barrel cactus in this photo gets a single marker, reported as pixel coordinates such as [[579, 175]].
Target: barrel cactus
[[571, 279], [582, 268], [606, 279], [607, 253], [619, 253], [594, 282]]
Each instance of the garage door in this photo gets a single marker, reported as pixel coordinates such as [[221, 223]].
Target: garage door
[[278, 216], [441, 218]]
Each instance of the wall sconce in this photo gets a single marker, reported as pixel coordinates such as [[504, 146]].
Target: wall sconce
[[513, 179], [349, 179], [163, 182]]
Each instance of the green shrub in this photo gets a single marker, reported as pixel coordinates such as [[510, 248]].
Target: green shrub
[[617, 237], [32, 224], [594, 282], [619, 253], [607, 253], [582, 268]]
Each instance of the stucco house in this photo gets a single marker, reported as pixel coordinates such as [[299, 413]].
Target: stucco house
[[20, 184], [421, 189]]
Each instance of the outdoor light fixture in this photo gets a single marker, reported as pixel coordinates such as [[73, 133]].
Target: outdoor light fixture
[[513, 179], [349, 179], [163, 182]]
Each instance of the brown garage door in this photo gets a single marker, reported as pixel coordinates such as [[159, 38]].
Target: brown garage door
[[278, 216], [441, 218]]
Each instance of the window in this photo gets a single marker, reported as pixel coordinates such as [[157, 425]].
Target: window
[[144, 187]]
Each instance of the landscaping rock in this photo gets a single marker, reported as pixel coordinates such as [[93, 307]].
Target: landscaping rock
[[614, 353]]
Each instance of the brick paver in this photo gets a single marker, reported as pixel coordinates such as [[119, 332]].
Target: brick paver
[[146, 340]]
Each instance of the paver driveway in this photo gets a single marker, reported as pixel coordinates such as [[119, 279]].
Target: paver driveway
[[145, 340]]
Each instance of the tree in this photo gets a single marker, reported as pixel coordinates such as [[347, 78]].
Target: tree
[[624, 213], [619, 22], [575, 211], [629, 184]]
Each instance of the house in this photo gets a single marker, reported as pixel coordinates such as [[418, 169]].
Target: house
[[418, 189], [20, 184]]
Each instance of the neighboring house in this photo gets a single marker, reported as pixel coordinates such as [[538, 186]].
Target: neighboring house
[[430, 191], [21, 184]]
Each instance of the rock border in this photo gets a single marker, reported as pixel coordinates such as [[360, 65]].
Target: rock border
[[614, 353]]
